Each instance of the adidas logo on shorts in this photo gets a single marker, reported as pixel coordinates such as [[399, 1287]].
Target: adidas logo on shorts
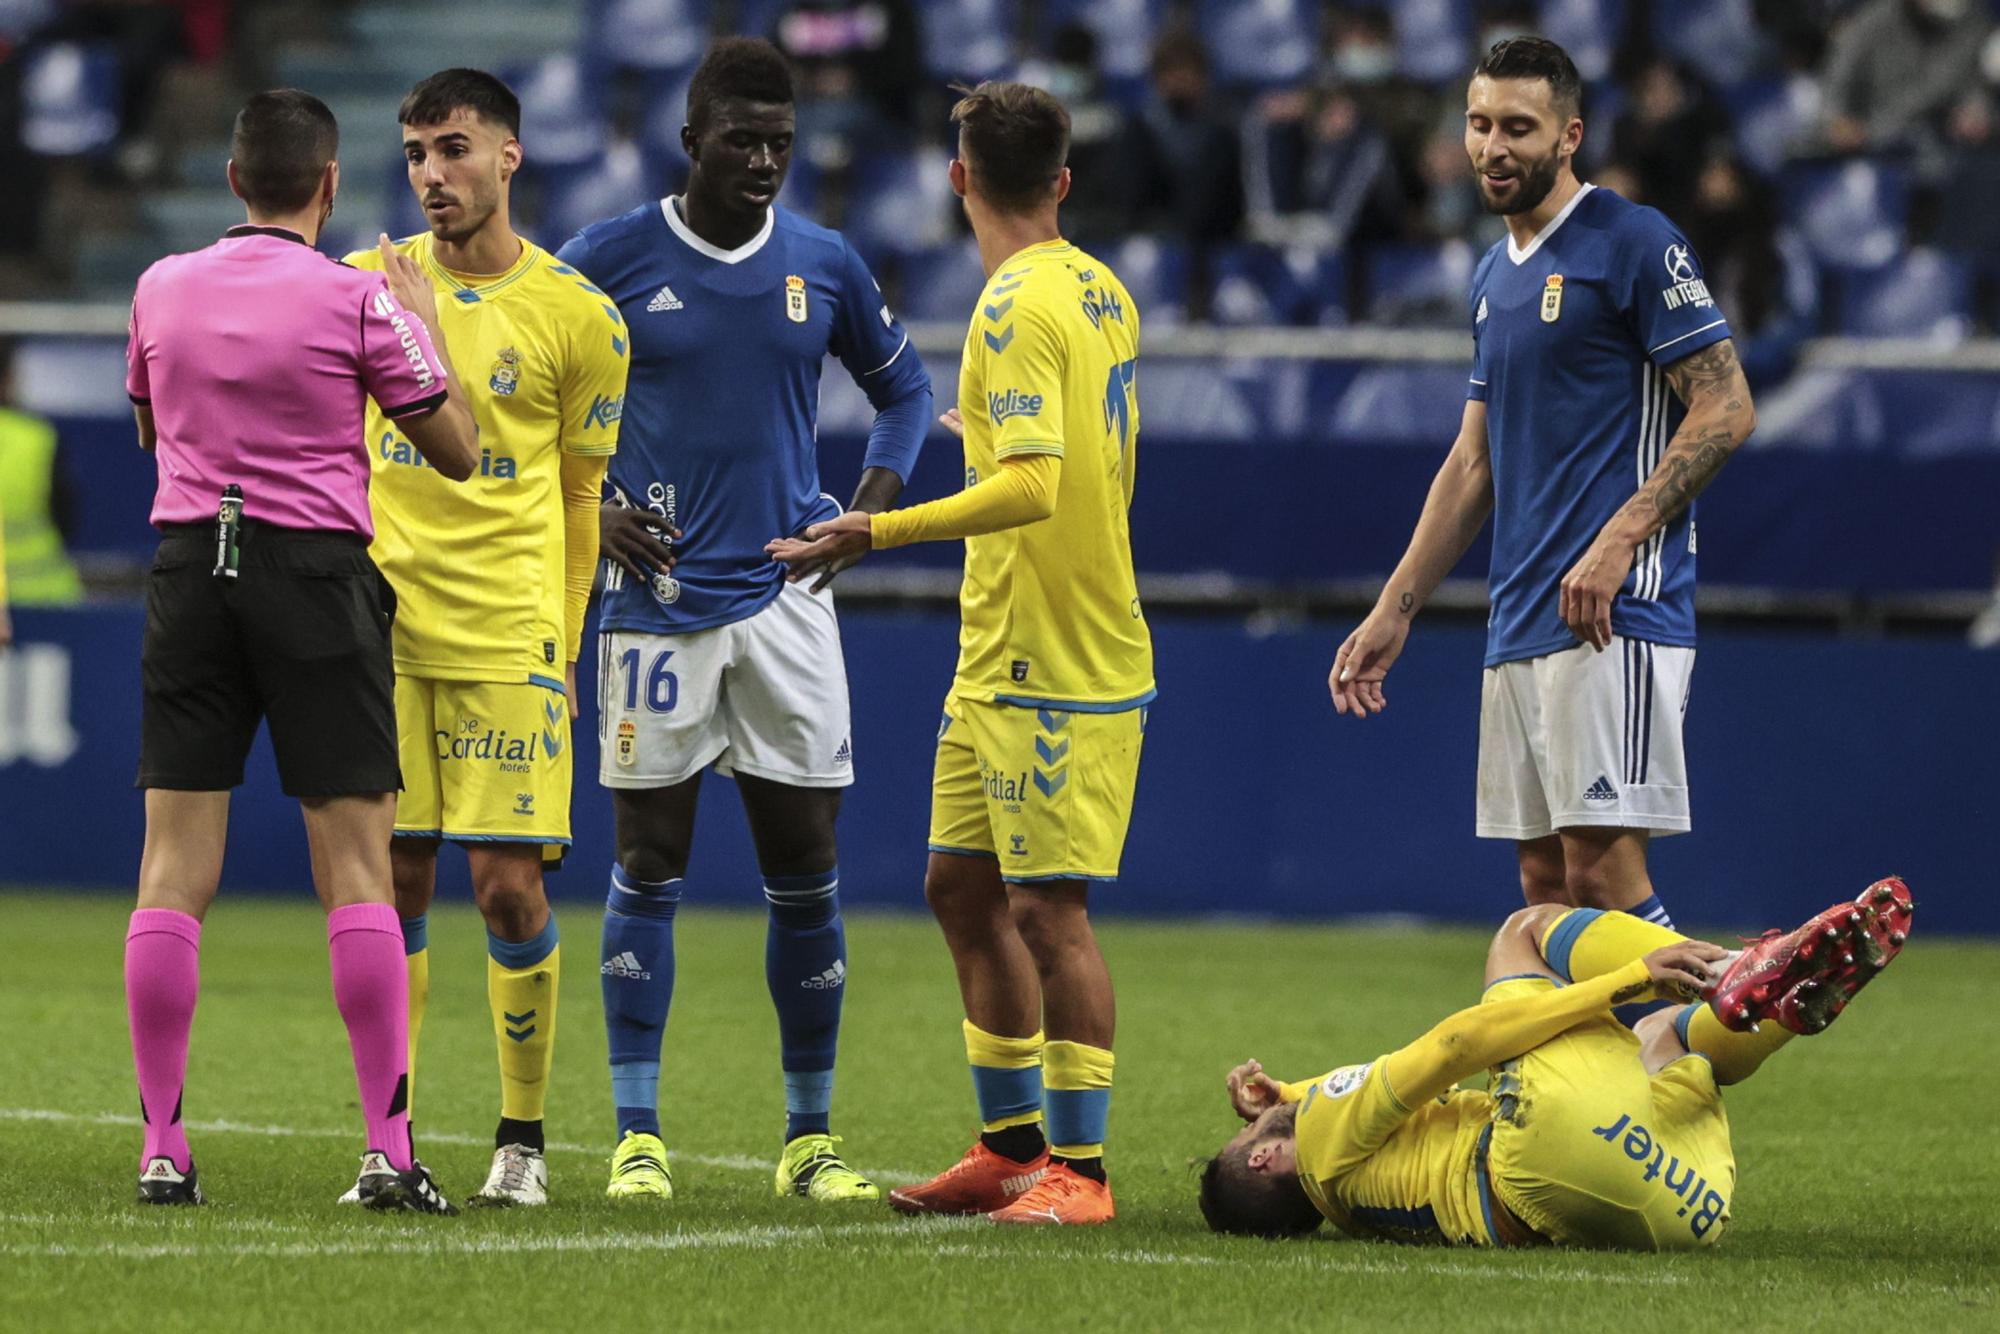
[[1601, 790], [845, 755], [625, 965], [828, 980]]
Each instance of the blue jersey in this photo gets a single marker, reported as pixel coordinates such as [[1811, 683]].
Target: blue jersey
[[1570, 336], [721, 408]]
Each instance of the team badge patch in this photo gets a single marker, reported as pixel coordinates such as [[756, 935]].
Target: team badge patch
[[1345, 1080], [1552, 299], [626, 751], [795, 299], [666, 589], [506, 372]]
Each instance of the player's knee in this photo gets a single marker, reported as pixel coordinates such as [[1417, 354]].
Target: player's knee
[[1587, 886], [1048, 926], [652, 860], [510, 895], [1533, 922], [959, 898]]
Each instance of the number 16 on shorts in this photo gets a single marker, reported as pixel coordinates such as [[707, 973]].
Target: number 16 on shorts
[[636, 678]]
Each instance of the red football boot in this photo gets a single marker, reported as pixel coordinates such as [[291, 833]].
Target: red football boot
[[979, 1183], [1803, 978]]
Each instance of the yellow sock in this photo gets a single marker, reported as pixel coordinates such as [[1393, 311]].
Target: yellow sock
[[1006, 1077], [1076, 1080], [1589, 942], [1734, 1056], [521, 989], [417, 958]]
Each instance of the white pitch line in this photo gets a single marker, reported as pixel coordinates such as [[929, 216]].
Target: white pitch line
[[1317, 1263], [728, 1161], [405, 1242]]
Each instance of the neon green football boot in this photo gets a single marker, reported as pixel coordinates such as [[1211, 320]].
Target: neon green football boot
[[812, 1168], [639, 1169]]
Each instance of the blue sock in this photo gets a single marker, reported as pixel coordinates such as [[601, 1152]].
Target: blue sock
[[805, 964], [1654, 911], [637, 975]]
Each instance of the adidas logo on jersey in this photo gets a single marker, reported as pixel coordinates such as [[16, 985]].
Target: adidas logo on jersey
[[1480, 318], [625, 965], [845, 755], [664, 299], [1601, 790], [828, 980]]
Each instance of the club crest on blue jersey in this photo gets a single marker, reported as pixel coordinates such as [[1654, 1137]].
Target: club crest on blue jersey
[[1552, 299], [506, 375], [795, 299]]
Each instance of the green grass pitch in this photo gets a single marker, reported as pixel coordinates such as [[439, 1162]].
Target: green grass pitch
[[1868, 1156]]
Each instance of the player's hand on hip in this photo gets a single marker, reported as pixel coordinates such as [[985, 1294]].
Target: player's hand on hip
[[826, 548], [953, 422], [1363, 662], [636, 541], [1590, 588], [1680, 970], [409, 285], [1251, 1091]]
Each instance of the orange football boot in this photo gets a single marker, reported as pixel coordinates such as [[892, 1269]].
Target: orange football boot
[[1061, 1196], [979, 1183]]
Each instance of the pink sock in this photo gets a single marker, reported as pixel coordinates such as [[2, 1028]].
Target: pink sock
[[162, 977], [371, 985]]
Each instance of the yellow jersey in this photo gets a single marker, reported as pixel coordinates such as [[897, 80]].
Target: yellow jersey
[[478, 567], [1381, 1171], [1051, 610]]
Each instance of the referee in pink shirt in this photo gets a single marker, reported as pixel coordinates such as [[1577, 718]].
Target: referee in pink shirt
[[249, 367]]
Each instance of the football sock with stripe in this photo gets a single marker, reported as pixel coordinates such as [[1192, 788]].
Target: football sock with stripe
[[162, 979], [371, 987], [1733, 1056], [1007, 1082], [417, 961], [1076, 1081], [637, 979], [805, 966], [522, 982], [1590, 942]]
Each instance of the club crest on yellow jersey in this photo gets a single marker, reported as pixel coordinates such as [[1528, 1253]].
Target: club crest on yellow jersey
[[1552, 299], [795, 299], [506, 372]]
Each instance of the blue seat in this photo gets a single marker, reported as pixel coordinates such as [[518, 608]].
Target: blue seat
[[940, 284], [649, 34], [1924, 293], [968, 39], [562, 110], [571, 196], [1589, 30], [1420, 285], [1264, 285], [20, 18], [1851, 214], [1156, 272], [1433, 39], [899, 203], [1125, 30], [1718, 39], [1259, 43], [1771, 116], [70, 99]]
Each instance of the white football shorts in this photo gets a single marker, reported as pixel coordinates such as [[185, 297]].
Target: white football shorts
[[1583, 738], [764, 696]]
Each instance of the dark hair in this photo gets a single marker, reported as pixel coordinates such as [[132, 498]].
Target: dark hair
[[1537, 58], [1179, 48], [433, 100], [1254, 1204], [749, 68], [1016, 139], [281, 144]]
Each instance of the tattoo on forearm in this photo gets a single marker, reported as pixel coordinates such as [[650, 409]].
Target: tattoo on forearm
[[1690, 464], [1406, 603]]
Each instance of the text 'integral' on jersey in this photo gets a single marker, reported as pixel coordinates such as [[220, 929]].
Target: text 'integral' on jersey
[[1051, 610], [1571, 338], [254, 356], [478, 565], [722, 410]]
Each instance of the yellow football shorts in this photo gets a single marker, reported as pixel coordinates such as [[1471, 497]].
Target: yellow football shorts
[[1589, 1150], [1047, 792], [483, 761]]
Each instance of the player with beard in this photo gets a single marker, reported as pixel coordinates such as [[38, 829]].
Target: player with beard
[[486, 641], [1605, 395]]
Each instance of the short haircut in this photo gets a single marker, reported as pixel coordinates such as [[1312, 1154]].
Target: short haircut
[[433, 101], [749, 68], [1537, 58], [1254, 1204], [1017, 140], [281, 144]]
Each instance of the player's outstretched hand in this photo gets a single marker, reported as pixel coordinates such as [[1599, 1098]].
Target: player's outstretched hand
[[826, 549], [1591, 586], [1682, 969], [636, 541], [1363, 662], [953, 422], [409, 285], [1251, 1091]]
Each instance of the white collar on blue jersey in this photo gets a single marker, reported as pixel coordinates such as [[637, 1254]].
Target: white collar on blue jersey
[[1520, 255], [671, 207]]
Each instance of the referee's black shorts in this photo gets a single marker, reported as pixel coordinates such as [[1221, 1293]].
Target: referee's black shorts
[[299, 637]]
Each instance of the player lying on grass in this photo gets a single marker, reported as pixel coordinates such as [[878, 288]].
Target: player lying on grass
[[1588, 1134]]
